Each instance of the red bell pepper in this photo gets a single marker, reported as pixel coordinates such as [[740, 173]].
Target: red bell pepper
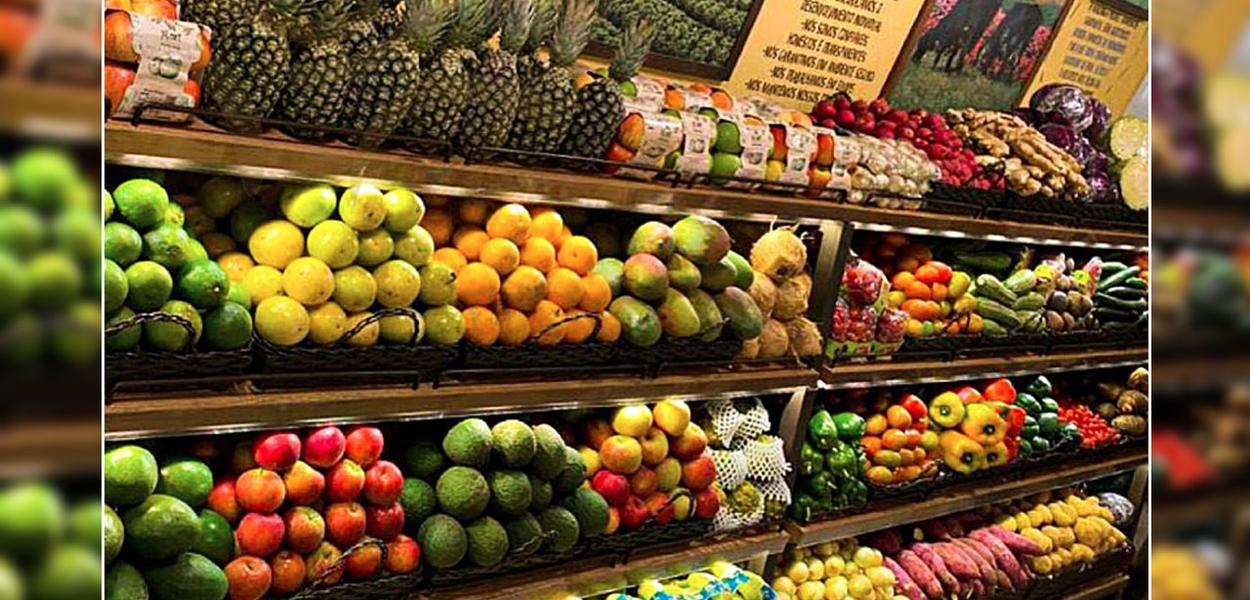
[[1001, 390], [915, 407], [1013, 447], [969, 395], [1015, 421]]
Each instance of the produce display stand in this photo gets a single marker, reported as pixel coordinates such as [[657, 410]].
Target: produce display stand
[[50, 111], [250, 403]]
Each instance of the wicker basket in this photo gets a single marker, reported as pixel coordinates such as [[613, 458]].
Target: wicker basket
[[1111, 216], [535, 355], [511, 564], [960, 200], [387, 587], [145, 365], [670, 351], [650, 535]]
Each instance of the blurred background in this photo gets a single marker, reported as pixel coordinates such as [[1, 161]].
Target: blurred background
[[50, 202], [1201, 330]]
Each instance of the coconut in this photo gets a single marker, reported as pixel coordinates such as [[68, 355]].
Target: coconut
[[804, 337], [774, 341], [750, 349], [764, 292], [792, 297], [779, 254]]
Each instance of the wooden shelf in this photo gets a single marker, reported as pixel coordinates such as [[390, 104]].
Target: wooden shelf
[[45, 448], [273, 156], [959, 498], [902, 371], [1100, 588], [151, 415], [589, 579], [51, 111]]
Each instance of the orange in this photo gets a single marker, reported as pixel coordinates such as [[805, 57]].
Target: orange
[[871, 443], [917, 290], [469, 240], [609, 328], [596, 293], [514, 327], [564, 287], [450, 257], [565, 234], [898, 417], [894, 439], [544, 323], [579, 254], [477, 285], [577, 331], [501, 255], [523, 288], [547, 224], [928, 274], [474, 210], [439, 224], [435, 201], [481, 326], [511, 221], [901, 280], [940, 292], [539, 253]]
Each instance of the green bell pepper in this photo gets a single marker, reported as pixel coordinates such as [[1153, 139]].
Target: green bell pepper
[[1030, 429], [1029, 403], [850, 426], [802, 508], [841, 459], [1026, 447], [1049, 425], [810, 460], [1049, 404], [820, 485], [1041, 445], [822, 432], [1039, 387]]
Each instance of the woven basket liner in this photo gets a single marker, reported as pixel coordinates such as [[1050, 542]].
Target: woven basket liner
[[385, 587], [534, 355], [147, 365]]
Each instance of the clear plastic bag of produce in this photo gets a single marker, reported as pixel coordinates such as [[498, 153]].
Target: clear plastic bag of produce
[[841, 319], [862, 324], [863, 283], [891, 325]]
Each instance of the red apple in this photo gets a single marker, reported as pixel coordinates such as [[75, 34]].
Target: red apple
[[706, 503], [383, 483], [250, 578], [304, 484], [345, 523], [363, 563], [384, 522], [222, 501], [403, 555], [345, 481], [324, 447], [613, 487], [305, 529], [634, 513], [364, 445], [260, 490], [660, 508], [276, 451], [260, 534]]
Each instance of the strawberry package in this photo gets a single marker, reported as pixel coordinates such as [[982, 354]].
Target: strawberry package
[[862, 323]]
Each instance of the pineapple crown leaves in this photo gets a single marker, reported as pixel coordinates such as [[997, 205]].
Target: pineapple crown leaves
[[322, 18], [427, 21], [633, 49], [546, 13], [573, 31], [285, 10], [515, 20], [473, 24]]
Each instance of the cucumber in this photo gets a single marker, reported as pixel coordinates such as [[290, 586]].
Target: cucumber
[[1127, 137], [992, 329], [1134, 179], [983, 261], [1110, 314], [1118, 279], [1126, 293], [993, 311], [1119, 325], [1021, 281], [988, 286], [1137, 283], [1108, 301], [1029, 301], [1111, 268]]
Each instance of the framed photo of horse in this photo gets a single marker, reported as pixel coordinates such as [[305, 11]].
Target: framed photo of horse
[[973, 53]]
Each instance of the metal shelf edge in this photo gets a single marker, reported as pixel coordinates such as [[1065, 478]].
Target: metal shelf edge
[[889, 372]]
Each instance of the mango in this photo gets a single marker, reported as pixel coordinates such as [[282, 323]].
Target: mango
[[645, 277], [711, 321], [718, 275], [652, 237], [746, 277], [678, 317], [683, 274], [640, 325], [701, 239], [744, 318]]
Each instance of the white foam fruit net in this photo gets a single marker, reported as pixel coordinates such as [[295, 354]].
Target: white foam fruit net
[[725, 419], [727, 519], [755, 422], [766, 458], [731, 467], [774, 489]]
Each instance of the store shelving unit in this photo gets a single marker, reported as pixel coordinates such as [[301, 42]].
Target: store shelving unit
[[50, 111], [250, 405]]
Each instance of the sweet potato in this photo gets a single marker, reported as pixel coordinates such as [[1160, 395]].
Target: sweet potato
[[887, 541], [955, 561], [903, 583], [934, 531], [935, 564], [986, 562], [1002, 557], [1015, 542], [978, 588], [921, 574], [953, 526], [984, 571]]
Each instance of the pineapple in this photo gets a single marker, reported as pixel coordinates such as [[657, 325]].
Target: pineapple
[[546, 13], [384, 83], [546, 108], [218, 15], [372, 24], [493, 83], [600, 106], [320, 69], [435, 115], [250, 66]]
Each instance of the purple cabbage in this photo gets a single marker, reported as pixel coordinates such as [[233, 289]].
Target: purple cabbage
[[1064, 104], [1098, 162], [1102, 118], [1028, 115], [1101, 189], [1062, 136]]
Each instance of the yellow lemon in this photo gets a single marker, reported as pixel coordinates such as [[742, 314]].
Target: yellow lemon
[[365, 337], [399, 283], [235, 264], [308, 280], [354, 288], [376, 247], [276, 244], [282, 321], [263, 281], [328, 322], [334, 243], [363, 207]]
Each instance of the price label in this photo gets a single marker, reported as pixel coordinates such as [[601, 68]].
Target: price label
[[696, 155]]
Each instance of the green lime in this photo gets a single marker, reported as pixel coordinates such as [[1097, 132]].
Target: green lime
[[114, 534], [354, 288], [362, 207], [203, 283], [245, 219], [415, 246], [150, 286], [68, 573], [220, 195], [77, 231], [168, 336], [122, 244], [11, 586], [334, 243], [376, 247], [115, 286], [55, 281], [444, 325], [403, 210], [21, 230], [124, 582], [76, 337], [109, 205], [13, 282], [216, 541], [227, 327], [307, 205], [398, 329], [186, 479], [170, 245], [42, 176], [125, 340], [130, 475], [175, 214], [32, 519], [725, 164], [727, 138], [142, 202], [86, 521], [238, 294]]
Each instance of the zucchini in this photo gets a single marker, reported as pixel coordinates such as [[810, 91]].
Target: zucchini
[[988, 286], [1127, 137], [1111, 268], [993, 311], [1126, 293], [1029, 301], [1134, 180], [1133, 306], [1110, 314], [992, 329], [1137, 283], [1118, 279], [1021, 281], [1119, 325], [983, 261], [1144, 319]]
